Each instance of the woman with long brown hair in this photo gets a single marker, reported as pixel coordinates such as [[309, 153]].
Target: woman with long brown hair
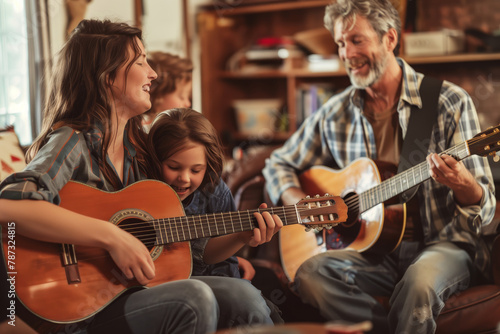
[[92, 134]]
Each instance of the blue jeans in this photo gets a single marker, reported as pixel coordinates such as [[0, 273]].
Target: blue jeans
[[240, 303], [201, 304], [185, 306], [342, 285]]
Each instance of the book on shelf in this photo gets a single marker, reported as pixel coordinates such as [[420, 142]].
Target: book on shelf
[[310, 97]]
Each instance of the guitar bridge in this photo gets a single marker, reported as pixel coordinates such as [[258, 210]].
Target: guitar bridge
[[72, 274], [70, 264]]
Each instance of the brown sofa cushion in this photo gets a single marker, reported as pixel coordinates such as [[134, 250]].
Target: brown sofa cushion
[[475, 310]]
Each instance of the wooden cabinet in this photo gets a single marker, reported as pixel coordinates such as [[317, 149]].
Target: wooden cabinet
[[225, 29]]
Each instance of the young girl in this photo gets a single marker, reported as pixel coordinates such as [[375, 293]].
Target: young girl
[[172, 89], [92, 133], [187, 154]]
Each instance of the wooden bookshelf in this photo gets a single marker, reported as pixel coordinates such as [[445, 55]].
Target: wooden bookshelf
[[224, 29]]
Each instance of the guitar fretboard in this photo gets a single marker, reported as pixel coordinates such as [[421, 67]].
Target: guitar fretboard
[[185, 228], [405, 180]]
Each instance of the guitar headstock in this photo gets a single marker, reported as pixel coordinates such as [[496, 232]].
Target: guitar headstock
[[486, 142], [322, 211]]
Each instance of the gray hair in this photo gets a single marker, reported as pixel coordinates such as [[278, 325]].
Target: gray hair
[[380, 13]]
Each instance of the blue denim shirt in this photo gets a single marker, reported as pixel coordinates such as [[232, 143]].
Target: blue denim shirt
[[220, 200]]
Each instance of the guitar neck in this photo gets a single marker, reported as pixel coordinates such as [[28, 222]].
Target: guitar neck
[[185, 228], [405, 180]]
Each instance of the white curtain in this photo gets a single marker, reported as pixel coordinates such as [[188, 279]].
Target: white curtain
[[40, 63]]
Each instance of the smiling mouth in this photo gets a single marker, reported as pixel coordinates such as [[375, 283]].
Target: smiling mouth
[[356, 63], [146, 88], [180, 190]]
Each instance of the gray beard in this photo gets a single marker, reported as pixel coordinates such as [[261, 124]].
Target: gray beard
[[374, 74]]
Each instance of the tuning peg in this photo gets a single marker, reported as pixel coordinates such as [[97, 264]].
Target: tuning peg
[[308, 196], [496, 158]]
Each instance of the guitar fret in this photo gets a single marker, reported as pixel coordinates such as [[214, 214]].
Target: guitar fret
[[412, 171], [189, 230], [374, 197], [377, 197], [216, 228], [182, 230], [209, 230], [171, 231], [195, 231], [199, 217], [215, 221], [284, 216], [227, 219], [249, 217], [166, 230], [368, 198], [159, 236], [362, 198], [386, 193], [395, 184], [203, 232], [241, 224], [179, 225], [239, 216], [177, 230], [224, 222]]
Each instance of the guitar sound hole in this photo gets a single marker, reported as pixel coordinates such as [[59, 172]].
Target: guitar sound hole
[[344, 234], [140, 229]]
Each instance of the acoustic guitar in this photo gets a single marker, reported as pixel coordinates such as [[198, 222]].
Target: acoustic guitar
[[369, 188], [64, 284]]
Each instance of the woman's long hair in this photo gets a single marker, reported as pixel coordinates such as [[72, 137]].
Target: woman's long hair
[[87, 66], [172, 131]]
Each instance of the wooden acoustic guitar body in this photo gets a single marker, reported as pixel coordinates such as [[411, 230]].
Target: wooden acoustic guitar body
[[63, 294], [378, 229]]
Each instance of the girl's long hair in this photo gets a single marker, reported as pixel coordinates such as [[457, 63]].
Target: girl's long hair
[[172, 131], [87, 66]]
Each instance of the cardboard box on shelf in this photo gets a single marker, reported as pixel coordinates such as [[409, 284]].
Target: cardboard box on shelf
[[434, 43], [257, 116]]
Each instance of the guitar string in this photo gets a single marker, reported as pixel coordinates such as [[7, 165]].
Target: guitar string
[[175, 223]]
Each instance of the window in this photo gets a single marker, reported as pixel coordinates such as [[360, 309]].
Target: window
[[14, 76]]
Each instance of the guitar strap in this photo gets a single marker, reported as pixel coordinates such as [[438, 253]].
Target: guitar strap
[[416, 141]]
